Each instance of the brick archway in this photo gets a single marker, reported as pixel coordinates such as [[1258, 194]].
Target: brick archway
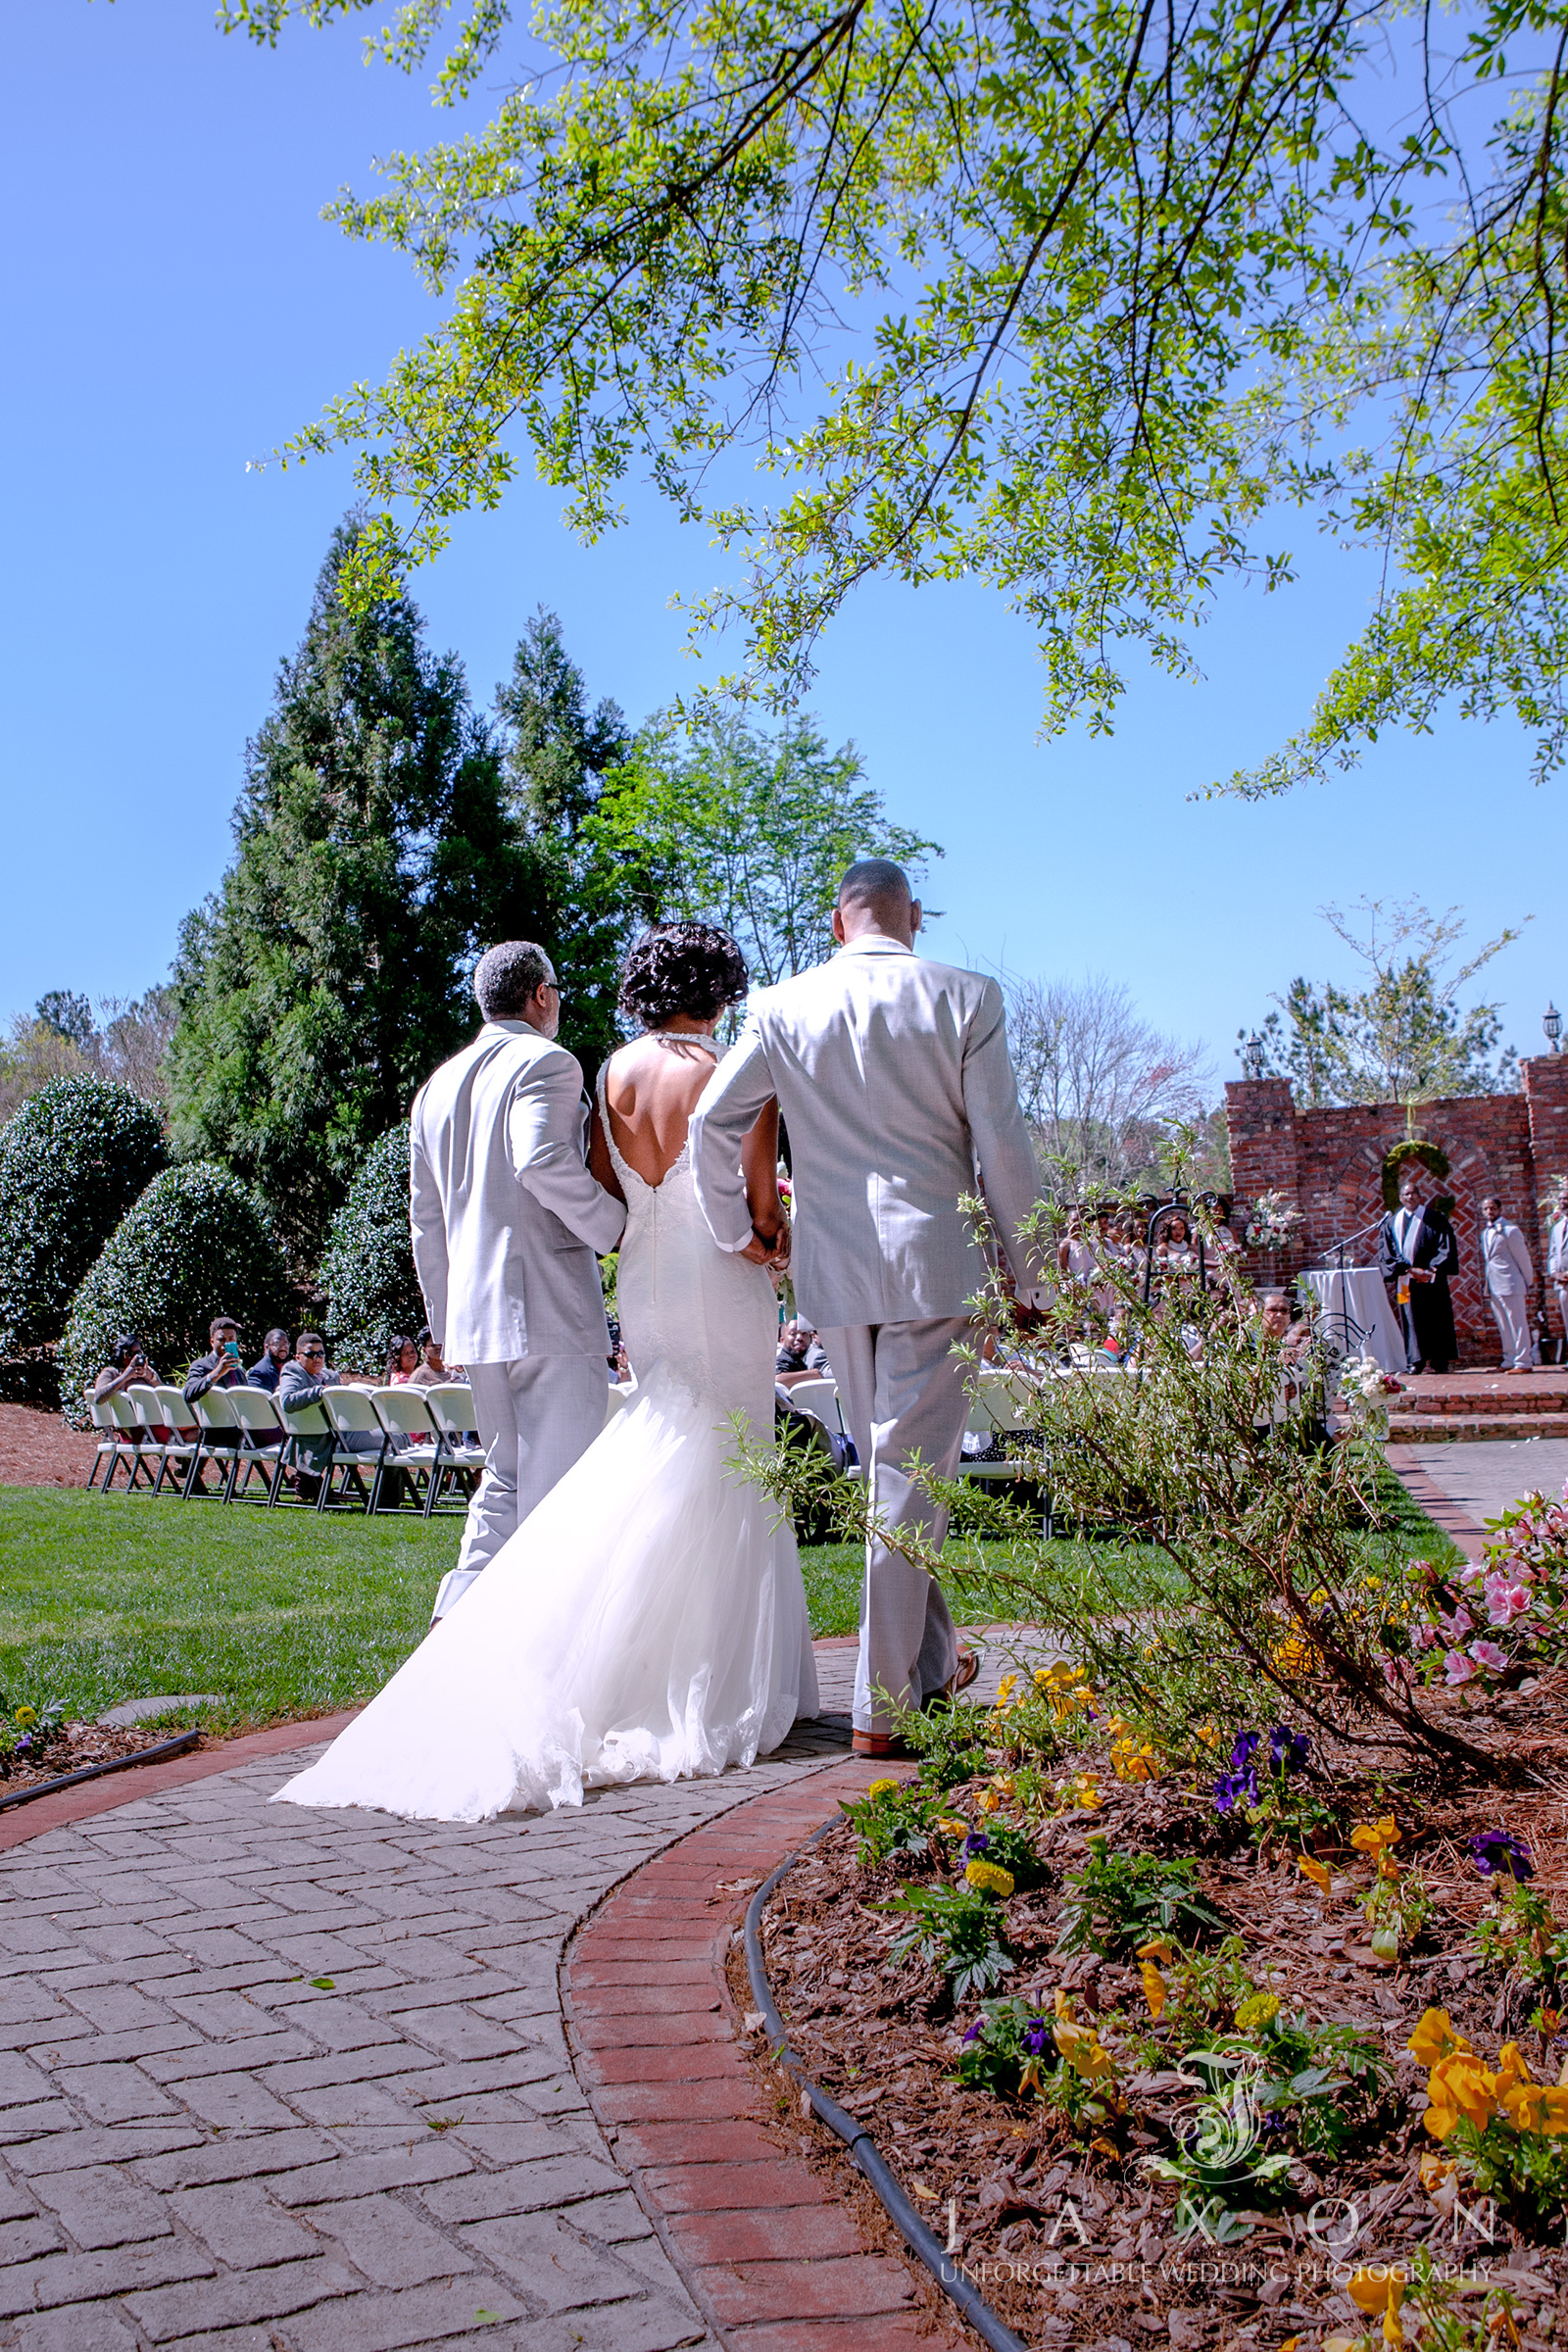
[[1328, 1163]]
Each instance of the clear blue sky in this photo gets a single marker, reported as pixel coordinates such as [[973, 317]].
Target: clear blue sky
[[178, 307]]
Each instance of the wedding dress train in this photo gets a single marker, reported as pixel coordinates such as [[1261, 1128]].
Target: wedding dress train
[[646, 1621]]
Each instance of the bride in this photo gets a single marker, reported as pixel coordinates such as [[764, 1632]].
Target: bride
[[647, 1620]]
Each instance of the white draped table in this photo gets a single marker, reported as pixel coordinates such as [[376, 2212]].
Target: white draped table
[[1354, 1313]]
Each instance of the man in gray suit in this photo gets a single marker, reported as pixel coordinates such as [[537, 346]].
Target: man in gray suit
[[507, 1224], [895, 1083]]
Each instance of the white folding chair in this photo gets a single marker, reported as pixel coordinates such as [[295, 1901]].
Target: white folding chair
[[263, 1441], [179, 1449], [218, 1443], [352, 1415], [410, 1443], [819, 1398], [306, 1421], [1000, 1401], [457, 1454], [113, 1446]]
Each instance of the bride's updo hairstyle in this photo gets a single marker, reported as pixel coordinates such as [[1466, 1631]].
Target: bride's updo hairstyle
[[681, 967]]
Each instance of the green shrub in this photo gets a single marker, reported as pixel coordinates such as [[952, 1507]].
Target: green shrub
[[71, 1162], [368, 1270], [196, 1245]]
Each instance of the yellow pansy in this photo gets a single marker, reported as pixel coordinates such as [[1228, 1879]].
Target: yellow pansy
[[1130, 1761], [1083, 2050], [25, 1718], [952, 1827], [1459, 2086], [1376, 2286], [1536, 2107], [1261, 2010], [1155, 1989], [990, 1801], [1435, 2038], [1082, 1790], [1158, 1947], [1313, 1871], [1374, 1838], [989, 1878], [1436, 2170], [883, 1788]]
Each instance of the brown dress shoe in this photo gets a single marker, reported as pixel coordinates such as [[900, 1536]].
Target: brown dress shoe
[[879, 1748]]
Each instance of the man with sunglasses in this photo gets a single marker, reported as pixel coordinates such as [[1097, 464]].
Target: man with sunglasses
[[507, 1229], [299, 1382]]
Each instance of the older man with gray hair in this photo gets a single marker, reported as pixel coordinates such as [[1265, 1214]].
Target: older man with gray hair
[[507, 1224]]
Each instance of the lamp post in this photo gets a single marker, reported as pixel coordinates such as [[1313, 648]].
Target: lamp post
[[1252, 1056], [1551, 1022]]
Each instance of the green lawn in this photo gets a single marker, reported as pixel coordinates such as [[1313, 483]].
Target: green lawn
[[282, 1612], [285, 1614]]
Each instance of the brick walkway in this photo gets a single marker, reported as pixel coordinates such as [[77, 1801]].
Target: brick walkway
[[274, 2081]]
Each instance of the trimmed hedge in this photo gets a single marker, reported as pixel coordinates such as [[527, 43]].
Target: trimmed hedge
[[73, 1159], [368, 1269], [196, 1245]]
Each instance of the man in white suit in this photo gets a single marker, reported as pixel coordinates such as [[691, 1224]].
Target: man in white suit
[[1511, 1278], [507, 1224], [894, 1080], [1557, 1251]]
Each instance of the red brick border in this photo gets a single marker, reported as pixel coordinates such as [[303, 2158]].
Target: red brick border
[[769, 2254], [150, 1780]]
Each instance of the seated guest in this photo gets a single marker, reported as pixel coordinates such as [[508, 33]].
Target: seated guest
[[801, 1353], [263, 1374], [402, 1361], [430, 1371], [301, 1382], [129, 1367], [220, 1368]]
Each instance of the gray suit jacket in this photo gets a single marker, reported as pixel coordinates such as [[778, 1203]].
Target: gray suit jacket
[[507, 1219], [895, 1082]]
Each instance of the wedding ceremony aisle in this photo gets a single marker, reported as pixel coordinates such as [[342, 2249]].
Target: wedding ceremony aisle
[[277, 2081]]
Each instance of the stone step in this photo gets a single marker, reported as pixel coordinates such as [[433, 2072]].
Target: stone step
[[1447, 1428], [1498, 1398]]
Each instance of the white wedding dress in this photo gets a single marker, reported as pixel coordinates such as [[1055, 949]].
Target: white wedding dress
[[647, 1621]]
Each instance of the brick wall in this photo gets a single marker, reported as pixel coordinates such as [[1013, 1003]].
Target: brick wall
[[1329, 1164]]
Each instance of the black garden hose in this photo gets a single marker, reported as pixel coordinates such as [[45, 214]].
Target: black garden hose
[[858, 2139], [92, 1772]]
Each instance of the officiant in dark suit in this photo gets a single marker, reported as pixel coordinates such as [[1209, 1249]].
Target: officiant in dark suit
[[1417, 1255]]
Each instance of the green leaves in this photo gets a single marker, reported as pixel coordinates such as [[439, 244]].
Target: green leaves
[[1064, 297]]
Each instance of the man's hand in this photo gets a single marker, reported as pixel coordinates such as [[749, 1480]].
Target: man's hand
[[1420, 1274]]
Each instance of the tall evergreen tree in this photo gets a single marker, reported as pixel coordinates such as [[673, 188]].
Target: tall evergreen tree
[[556, 754], [374, 860]]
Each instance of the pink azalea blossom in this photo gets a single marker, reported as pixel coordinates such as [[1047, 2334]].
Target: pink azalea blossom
[[1489, 1654], [1505, 1601], [1470, 1578], [1455, 1628], [1459, 1669], [1422, 1636]]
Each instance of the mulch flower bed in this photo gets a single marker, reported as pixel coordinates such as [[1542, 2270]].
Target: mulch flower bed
[[71, 1748], [1072, 2235]]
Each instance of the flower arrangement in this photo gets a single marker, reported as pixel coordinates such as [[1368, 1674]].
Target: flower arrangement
[[1273, 1222]]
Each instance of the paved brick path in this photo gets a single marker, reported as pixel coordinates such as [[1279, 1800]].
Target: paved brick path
[[205, 2146]]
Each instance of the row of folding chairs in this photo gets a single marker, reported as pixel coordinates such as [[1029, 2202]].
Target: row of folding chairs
[[425, 1434]]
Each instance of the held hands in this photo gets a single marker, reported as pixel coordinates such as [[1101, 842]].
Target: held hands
[[769, 1250]]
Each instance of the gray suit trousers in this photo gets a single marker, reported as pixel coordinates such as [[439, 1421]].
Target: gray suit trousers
[[902, 1393], [536, 1417]]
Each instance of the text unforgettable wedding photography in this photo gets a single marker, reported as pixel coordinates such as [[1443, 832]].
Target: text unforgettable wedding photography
[[784, 1182]]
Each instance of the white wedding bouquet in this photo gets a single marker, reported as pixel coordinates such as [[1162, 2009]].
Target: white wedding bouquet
[[1273, 1222]]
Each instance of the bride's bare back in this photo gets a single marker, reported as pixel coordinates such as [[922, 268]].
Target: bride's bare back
[[652, 1088]]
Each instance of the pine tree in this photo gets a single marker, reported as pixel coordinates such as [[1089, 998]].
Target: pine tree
[[374, 860], [556, 754]]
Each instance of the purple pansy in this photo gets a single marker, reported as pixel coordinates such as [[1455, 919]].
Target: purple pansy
[[1288, 1748], [1037, 2037], [1497, 1854]]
